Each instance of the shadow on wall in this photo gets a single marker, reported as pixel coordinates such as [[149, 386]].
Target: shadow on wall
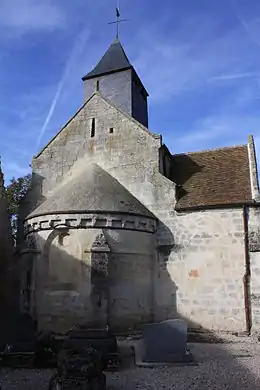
[[76, 287], [68, 270], [67, 278], [65, 274], [11, 306], [32, 200], [182, 169]]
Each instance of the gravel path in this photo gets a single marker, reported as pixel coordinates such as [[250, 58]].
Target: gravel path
[[220, 366]]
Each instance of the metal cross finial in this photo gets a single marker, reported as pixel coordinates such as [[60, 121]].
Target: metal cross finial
[[118, 20]]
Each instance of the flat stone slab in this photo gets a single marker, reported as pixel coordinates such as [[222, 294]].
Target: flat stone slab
[[139, 352], [166, 342]]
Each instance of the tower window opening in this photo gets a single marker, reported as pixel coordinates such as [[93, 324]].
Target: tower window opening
[[93, 128], [111, 130]]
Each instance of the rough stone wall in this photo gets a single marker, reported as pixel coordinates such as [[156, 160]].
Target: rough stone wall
[[139, 102], [63, 290], [115, 86], [130, 152], [201, 257], [254, 258], [253, 169], [124, 90], [253, 232], [203, 275]]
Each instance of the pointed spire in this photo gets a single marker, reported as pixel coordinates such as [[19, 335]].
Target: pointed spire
[[114, 60]]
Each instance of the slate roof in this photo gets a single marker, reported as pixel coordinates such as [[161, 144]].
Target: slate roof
[[92, 190], [212, 178], [113, 60]]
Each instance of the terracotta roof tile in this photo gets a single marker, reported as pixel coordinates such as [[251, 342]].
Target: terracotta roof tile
[[211, 178]]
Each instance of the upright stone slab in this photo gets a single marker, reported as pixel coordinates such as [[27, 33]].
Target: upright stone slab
[[166, 342]]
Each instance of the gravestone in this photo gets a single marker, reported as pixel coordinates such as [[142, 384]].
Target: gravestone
[[101, 340], [18, 331], [78, 369], [166, 342], [18, 341]]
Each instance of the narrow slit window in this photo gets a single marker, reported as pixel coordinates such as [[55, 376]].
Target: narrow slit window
[[111, 130], [93, 128]]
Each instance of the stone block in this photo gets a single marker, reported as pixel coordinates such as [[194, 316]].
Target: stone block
[[166, 342], [254, 241]]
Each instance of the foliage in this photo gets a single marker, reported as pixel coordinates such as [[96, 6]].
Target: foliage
[[15, 193]]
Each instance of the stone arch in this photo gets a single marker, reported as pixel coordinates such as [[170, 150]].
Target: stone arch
[[62, 256]]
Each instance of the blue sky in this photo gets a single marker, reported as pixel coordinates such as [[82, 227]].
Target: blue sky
[[198, 59]]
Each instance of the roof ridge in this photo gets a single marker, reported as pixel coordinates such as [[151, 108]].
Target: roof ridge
[[211, 150], [63, 127], [96, 93]]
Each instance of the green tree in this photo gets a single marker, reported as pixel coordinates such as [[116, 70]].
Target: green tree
[[15, 193]]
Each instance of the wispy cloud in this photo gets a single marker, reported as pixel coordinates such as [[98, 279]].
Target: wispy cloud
[[198, 64], [234, 76], [79, 45], [183, 65], [25, 15], [216, 131], [247, 25]]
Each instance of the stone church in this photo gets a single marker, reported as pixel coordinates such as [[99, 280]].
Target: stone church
[[118, 231]]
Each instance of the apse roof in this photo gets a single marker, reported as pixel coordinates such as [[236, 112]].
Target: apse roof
[[92, 190]]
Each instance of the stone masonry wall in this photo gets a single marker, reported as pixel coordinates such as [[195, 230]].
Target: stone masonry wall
[[130, 152], [116, 86], [139, 103], [62, 279], [200, 261], [124, 90], [207, 266], [254, 258]]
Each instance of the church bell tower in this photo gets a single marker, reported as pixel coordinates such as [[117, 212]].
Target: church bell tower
[[117, 80]]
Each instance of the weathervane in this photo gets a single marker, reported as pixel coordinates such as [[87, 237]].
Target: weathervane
[[118, 20]]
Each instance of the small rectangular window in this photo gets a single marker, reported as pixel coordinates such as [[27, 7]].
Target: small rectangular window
[[93, 128], [111, 130]]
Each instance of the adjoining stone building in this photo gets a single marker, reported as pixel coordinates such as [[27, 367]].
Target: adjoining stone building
[[122, 232]]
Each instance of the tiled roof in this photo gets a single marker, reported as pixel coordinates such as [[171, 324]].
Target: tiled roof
[[212, 178], [113, 60]]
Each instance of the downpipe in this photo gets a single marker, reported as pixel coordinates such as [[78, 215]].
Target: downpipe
[[247, 275]]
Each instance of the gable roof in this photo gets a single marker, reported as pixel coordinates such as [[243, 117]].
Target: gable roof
[[97, 93], [113, 60], [212, 178], [92, 190]]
